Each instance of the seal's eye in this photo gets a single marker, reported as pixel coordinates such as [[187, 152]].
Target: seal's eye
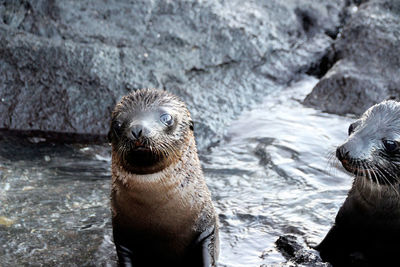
[[390, 146], [166, 119], [116, 126], [352, 127]]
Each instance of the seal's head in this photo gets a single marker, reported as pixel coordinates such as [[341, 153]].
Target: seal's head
[[372, 149], [149, 129]]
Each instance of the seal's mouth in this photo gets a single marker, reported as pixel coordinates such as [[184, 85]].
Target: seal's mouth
[[373, 172], [141, 156], [358, 170], [141, 149], [140, 146], [143, 159]]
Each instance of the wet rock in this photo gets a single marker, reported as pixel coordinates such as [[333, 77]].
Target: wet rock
[[64, 64], [35, 140], [367, 68], [298, 253], [288, 245]]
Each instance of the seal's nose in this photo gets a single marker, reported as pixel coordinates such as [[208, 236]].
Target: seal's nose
[[341, 153], [139, 131]]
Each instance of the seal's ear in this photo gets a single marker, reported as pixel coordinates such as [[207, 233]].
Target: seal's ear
[[191, 125]]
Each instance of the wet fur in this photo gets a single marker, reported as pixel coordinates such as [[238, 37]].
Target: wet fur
[[162, 216], [367, 227]]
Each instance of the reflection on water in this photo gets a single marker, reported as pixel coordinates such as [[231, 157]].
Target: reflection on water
[[270, 176]]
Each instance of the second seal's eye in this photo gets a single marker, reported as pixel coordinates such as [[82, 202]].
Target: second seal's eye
[[390, 146], [166, 119], [352, 127]]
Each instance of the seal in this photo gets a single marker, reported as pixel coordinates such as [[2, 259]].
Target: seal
[[366, 231], [162, 212]]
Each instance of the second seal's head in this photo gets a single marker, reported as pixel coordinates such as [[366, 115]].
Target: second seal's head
[[148, 130], [372, 149]]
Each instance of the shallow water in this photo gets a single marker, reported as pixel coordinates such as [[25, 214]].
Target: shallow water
[[270, 176]]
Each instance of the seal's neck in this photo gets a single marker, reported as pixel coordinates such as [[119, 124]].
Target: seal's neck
[[168, 200], [379, 197]]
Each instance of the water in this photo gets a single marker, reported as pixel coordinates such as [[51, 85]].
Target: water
[[56, 197], [270, 176]]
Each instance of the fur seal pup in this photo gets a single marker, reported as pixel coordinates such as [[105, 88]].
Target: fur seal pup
[[366, 231], [162, 213]]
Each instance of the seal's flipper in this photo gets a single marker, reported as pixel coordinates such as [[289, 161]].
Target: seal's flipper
[[336, 246], [125, 255], [203, 248]]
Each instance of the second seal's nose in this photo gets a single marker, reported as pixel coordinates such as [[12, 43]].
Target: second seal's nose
[[341, 153]]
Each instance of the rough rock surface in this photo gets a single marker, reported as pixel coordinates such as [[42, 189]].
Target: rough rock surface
[[367, 68], [64, 64], [296, 253]]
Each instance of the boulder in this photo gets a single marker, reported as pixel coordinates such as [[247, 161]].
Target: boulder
[[367, 63], [64, 64]]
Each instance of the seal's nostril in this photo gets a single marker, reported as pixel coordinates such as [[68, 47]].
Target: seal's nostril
[[137, 132], [338, 154], [341, 154]]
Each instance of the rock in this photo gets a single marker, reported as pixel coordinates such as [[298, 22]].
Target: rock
[[297, 253], [288, 245], [367, 67], [64, 64]]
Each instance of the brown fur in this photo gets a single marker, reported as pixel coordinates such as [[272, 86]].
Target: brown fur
[[168, 207]]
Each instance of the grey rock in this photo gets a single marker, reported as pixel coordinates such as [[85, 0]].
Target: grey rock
[[367, 67], [64, 64], [298, 253]]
